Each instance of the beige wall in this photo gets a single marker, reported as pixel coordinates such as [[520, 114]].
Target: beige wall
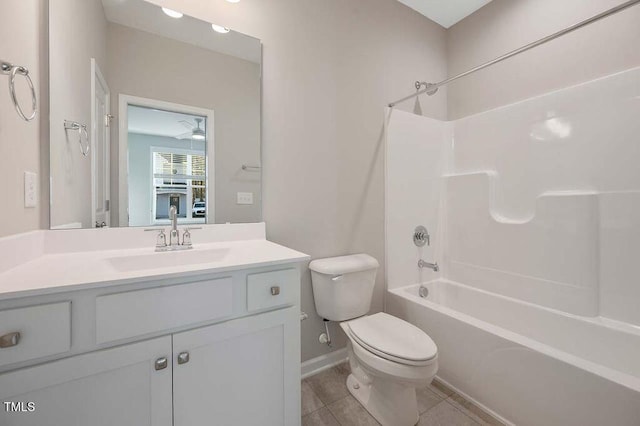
[[78, 29], [329, 69], [145, 65], [603, 48], [21, 31]]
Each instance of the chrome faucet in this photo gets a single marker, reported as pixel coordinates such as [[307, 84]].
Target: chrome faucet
[[174, 235], [423, 264]]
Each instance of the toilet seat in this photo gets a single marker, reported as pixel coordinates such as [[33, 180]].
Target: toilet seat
[[383, 382], [393, 339]]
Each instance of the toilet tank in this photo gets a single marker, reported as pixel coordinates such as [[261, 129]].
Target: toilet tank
[[343, 286]]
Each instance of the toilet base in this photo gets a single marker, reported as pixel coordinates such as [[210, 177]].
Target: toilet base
[[391, 404]]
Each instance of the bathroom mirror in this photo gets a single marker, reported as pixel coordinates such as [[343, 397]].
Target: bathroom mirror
[[151, 109]]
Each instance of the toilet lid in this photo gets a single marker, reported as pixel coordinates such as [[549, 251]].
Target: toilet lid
[[393, 338]]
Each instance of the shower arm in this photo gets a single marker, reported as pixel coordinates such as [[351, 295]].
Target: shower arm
[[432, 88]]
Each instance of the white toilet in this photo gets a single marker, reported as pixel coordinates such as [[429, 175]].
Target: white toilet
[[389, 357]]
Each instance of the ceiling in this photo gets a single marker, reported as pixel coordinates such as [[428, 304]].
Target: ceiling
[[156, 122], [148, 17], [445, 12]]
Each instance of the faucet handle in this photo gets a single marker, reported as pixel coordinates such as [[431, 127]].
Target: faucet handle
[[421, 236], [186, 236], [162, 237]]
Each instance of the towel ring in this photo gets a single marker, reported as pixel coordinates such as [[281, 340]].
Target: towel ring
[[12, 71], [81, 129]]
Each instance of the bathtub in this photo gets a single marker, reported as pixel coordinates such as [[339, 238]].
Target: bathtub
[[528, 364]]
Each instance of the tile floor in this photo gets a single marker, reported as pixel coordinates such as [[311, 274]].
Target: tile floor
[[327, 402]]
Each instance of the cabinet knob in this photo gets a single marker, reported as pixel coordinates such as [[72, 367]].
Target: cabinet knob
[[183, 357], [9, 340], [275, 290], [161, 363]]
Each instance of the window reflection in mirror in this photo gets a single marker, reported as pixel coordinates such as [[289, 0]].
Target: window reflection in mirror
[[167, 165]]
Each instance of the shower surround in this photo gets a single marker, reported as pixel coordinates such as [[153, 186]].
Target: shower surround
[[534, 212]]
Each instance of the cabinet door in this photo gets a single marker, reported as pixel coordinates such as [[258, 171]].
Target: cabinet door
[[118, 386], [242, 372]]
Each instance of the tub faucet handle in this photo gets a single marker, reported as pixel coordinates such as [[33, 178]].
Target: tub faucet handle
[[421, 236]]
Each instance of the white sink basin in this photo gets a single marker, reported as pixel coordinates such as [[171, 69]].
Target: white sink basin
[[168, 259]]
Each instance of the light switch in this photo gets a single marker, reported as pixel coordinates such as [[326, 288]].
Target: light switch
[[245, 198], [30, 189]]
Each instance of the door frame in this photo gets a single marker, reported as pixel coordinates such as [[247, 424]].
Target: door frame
[[97, 78], [124, 101]]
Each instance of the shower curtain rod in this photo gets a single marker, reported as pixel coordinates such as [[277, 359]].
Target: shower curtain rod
[[432, 88]]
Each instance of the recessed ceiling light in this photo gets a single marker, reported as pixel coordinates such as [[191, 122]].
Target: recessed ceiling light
[[233, 1], [172, 13], [220, 29]]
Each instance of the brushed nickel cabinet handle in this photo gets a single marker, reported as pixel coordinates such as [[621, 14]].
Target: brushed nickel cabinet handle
[[183, 358], [9, 340], [275, 290], [161, 363]]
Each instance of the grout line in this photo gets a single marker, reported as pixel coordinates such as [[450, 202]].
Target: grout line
[[334, 417], [446, 401], [316, 395], [358, 402], [431, 408], [314, 411], [329, 411], [460, 411]]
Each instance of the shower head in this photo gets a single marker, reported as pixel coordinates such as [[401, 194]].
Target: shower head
[[420, 84], [417, 109]]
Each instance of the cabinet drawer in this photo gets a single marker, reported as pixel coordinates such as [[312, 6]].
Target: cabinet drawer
[[272, 289], [43, 331], [135, 313]]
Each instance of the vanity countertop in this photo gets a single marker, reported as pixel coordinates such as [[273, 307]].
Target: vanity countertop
[[59, 272]]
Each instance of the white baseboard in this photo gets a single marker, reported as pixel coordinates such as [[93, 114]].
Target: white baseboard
[[323, 362]]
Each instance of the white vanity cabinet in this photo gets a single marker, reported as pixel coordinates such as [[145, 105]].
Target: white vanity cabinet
[[219, 349], [243, 372], [117, 386]]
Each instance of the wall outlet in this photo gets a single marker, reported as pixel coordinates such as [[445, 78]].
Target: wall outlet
[[245, 198], [30, 189]]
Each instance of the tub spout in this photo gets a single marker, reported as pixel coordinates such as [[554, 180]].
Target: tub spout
[[423, 264]]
